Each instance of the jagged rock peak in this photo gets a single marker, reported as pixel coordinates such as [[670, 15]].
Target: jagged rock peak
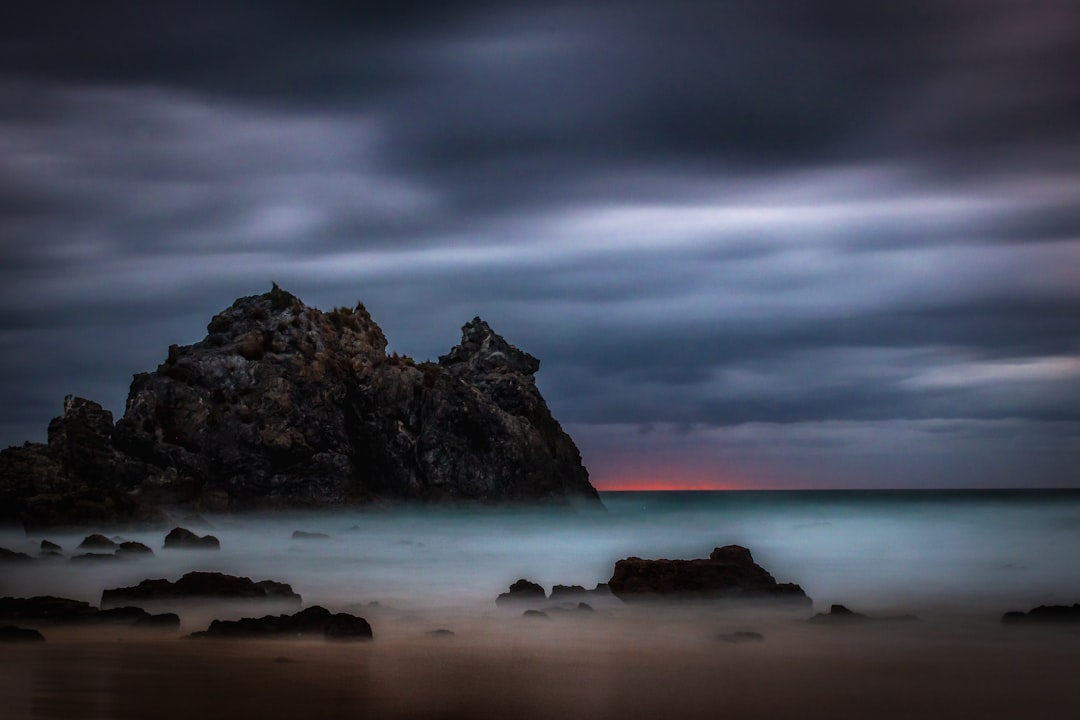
[[484, 350], [278, 320]]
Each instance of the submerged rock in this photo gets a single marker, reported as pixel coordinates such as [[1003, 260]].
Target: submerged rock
[[741, 636], [282, 405], [302, 535], [202, 585], [1044, 615], [49, 546], [7, 556], [840, 615], [728, 573], [183, 539], [314, 620]]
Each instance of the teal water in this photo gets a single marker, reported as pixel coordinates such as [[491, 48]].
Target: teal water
[[912, 551]]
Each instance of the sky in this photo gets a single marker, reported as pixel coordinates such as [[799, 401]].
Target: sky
[[755, 244]]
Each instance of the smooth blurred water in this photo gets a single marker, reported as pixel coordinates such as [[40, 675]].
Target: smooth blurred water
[[917, 551]]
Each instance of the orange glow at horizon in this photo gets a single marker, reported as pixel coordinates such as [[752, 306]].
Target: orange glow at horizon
[[656, 483]]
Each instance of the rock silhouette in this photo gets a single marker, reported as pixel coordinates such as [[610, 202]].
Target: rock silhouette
[[282, 405]]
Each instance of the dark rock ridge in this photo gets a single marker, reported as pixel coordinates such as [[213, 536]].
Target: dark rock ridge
[[314, 620], [63, 611], [202, 585], [1045, 615], [282, 405], [728, 573]]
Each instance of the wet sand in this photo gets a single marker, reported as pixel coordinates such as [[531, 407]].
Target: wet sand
[[616, 663]]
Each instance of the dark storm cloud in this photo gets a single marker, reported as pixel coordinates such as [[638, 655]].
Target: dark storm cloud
[[703, 216]]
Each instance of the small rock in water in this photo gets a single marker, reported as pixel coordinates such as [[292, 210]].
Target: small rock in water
[[11, 633], [440, 633], [96, 542], [742, 636], [133, 548], [840, 615], [1044, 615], [535, 614], [184, 539], [95, 557], [302, 535], [314, 620], [49, 546], [522, 591], [12, 556]]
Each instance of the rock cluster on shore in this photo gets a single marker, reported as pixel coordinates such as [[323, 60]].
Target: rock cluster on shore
[[283, 405], [728, 573]]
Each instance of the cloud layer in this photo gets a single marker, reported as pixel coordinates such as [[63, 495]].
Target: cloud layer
[[757, 244]]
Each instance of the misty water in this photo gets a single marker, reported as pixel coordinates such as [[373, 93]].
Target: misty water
[[926, 552]]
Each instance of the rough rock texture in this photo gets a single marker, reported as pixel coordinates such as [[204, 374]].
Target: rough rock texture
[[728, 573], [1045, 615], [282, 405], [201, 585], [314, 620]]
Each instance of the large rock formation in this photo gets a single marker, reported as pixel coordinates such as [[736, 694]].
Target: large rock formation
[[282, 405]]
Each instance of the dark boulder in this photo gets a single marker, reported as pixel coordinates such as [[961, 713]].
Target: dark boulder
[[96, 542], [1045, 615], [312, 621], [183, 539], [49, 546], [536, 615], [201, 585], [131, 548], [728, 573], [13, 634], [568, 592], [522, 591]]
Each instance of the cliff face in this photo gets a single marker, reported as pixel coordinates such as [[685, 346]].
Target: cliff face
[[282, 405]]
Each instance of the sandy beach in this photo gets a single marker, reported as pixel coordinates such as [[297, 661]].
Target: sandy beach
[[616, 663]]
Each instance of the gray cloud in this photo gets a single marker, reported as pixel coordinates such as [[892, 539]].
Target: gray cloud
[[734, 223]]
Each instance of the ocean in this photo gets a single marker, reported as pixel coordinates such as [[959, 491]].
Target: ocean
[[930, 553]]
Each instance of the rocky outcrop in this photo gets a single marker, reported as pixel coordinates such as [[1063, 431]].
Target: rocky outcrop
[[1045, 615], [201, 586], [282, 405], [728, 573], [312, 621]]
